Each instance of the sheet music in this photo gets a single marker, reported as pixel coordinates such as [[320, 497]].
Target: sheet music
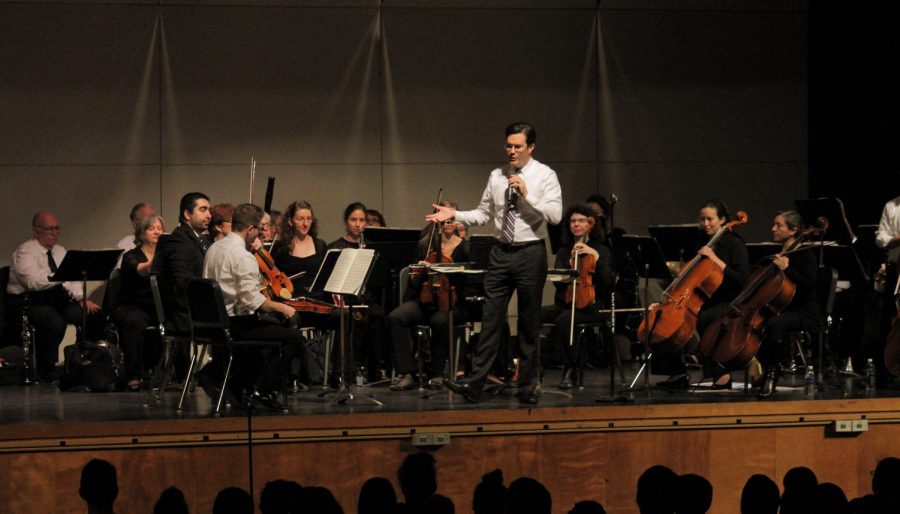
[[350, 271]]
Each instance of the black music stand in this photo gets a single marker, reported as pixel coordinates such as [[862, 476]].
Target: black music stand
[[646, 256], [679, 242], [352, 286], [839, 230], [758, 253], [84, 265], [396, 248]]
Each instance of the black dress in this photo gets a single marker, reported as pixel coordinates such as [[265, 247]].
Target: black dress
[[133, 312]]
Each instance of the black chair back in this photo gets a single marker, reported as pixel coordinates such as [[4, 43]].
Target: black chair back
[[113, 285], [209, 319]]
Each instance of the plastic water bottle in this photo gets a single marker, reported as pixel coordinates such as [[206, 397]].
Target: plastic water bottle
[[870, 375], [809, 382]]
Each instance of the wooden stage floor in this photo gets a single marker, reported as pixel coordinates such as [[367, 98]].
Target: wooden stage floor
[[602, 446]]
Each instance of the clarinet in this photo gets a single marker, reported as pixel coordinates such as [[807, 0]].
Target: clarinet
[[27, 346]]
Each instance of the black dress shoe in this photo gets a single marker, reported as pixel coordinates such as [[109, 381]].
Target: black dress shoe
[[679, 383], [269, 400], [566, 381], [469, 392], [769, 386]]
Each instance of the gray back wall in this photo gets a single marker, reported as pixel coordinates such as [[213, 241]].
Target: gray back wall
[[665, 104]]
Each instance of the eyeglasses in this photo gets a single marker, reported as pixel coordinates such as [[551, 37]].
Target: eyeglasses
[[54, 228], [450, 221], [299, 219]]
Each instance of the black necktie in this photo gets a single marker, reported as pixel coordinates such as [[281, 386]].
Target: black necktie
[[51, 261]]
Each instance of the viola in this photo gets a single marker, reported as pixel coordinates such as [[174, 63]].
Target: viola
[[436, 288], [671, 324], [734, 338], [278, 286], [583, 285], [310, 305]]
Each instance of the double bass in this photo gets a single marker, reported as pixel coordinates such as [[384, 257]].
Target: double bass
[[671, 324], [734, 338]]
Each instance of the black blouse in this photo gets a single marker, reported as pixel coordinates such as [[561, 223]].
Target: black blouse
[[291, 265], [135, 289]]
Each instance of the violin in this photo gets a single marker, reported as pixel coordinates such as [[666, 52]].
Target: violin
[[278, 286], [733, 339], [583, 285], [671, 324]]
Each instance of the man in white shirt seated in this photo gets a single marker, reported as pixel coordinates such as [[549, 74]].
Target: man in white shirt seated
[[230, 263], [51, 305]]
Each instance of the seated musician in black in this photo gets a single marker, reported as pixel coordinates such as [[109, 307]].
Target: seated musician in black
[[134, 311], [801, 313], [231, 264], [299, 249], [414, 312], [368, 328], [730, 255], [581, 235]]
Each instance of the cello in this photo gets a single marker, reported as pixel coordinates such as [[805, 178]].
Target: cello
[[580, 293], [734, 338], [671, 324]]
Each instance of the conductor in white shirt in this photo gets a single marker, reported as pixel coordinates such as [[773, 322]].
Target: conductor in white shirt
[[521, 198]]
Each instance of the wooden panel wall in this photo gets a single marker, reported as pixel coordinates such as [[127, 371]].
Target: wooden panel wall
[[574, 466]]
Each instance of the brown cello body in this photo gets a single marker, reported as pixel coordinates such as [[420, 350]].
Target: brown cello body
[[585, 295], [734, 337], [671, 324], [436, 287]]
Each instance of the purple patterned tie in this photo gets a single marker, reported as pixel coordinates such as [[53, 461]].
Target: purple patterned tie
[[509, 221]]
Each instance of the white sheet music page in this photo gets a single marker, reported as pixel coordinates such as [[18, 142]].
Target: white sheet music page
[[350, 271]]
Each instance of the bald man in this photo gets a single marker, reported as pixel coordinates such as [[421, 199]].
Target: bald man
[[51, 305]]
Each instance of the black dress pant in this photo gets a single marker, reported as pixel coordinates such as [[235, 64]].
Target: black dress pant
[[775, 340], [132, 322], [49, 312], [260, 365], [522, 269], [409, 314]]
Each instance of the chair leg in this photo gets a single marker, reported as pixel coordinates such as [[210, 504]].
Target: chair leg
[[189, 379], [329, 341], [224, 382]]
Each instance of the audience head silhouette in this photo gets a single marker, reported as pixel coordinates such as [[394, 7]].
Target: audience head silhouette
[[528, 496], [693, 494], [171, 501], [655, 490], [377, 496], [588, 507], [233, 500], [418, 478], [316, 500], [278, 496], [490, 494], [799, 487], [886, 478], [99, 487], [760, 496], [438, 504], [828, 498]]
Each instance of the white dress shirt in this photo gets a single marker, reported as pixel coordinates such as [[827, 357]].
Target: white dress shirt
[[235, 269], [889, 226], [127, 244], [542, 205], [30, 270]]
